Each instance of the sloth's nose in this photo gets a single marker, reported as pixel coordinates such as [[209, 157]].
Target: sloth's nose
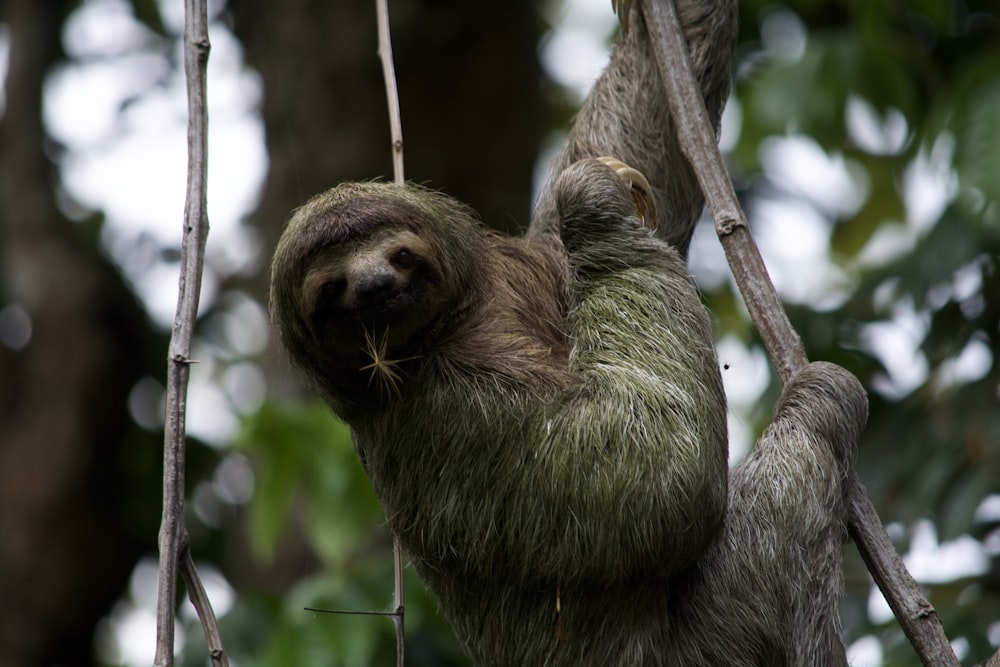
[[374, 288]]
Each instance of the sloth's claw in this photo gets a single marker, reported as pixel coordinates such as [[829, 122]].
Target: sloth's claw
[[642, 192]]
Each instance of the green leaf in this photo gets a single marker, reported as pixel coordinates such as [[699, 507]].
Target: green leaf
[[884, 204], [303, 457], [148, 13]]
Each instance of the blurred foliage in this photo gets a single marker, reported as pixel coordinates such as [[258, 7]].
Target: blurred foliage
[[932, 452], [307, 456], [932, 67], [307, 473], [937, 64]]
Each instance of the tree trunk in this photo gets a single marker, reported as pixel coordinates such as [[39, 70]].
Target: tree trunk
[[470, 97], [67, 548]]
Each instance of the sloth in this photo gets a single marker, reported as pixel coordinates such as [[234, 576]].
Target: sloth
[[543, 417], [545, 427]]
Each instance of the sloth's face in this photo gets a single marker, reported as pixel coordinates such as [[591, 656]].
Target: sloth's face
[[386, 286]]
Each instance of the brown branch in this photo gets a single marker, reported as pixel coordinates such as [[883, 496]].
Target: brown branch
[[173, 534], [199, 598], [915, 613], [350, 612], [698, 142], [396, 130], [391, 91]]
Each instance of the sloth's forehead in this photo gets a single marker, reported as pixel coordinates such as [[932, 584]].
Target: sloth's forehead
[[376, 236], [364, 220]]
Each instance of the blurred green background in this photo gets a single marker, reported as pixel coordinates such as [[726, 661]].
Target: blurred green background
[[864, 140]]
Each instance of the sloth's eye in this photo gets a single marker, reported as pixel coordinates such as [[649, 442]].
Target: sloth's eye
[[331, 290], [403, 259]]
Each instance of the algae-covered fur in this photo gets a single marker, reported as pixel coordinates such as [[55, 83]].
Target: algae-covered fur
[[543, 417]]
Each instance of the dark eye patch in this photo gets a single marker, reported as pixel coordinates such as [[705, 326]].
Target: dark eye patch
[[331, 291], [327, 306]]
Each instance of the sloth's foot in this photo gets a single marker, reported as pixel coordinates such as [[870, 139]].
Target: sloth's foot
[[642, 192]]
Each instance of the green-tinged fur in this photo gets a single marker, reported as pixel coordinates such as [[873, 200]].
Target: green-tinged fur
[[543, 417], [577, 459]]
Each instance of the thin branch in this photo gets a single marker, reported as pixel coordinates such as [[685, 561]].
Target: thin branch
[[351, 612], [396, 129], [700, 146], [195, 232], [698, 142], [199, 598], [397, 598], [916, 615], [391, 91]]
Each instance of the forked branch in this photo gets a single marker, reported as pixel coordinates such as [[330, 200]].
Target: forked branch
[[173, 534], [698, 142]]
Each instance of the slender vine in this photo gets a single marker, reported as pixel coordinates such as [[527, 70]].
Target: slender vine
[[396, 129], [174, 549]]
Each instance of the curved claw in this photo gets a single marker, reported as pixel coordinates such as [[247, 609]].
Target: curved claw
[[622, 9], [642, 191]]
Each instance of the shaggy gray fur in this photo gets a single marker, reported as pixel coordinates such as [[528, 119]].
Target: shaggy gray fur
[[626, 115], [543, 417]]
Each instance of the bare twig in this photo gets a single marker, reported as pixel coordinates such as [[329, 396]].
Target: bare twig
[[172, 531], [397, 600], [915, 613], [396, 129], [391, 91], [199, 598], [351, 612], [697, 140]]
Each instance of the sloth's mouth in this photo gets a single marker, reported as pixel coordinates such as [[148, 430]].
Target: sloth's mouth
[[397, 319], [395, 308]]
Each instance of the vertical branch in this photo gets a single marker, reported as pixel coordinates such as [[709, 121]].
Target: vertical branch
[[396, 130], [173, 533], [697, 140], [391, 92], [397, 600]]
